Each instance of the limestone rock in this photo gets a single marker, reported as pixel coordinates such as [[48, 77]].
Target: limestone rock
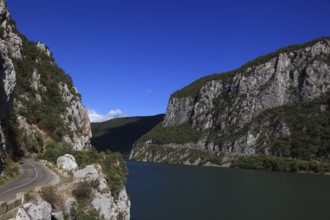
[[68, 205], [22, 215], [31, 90], [43, 48], [76, 117], [91, 173], [38, 210], [35, 210], [225, 107], [178, 111], [108, 206], [57, 216], [67, 163]]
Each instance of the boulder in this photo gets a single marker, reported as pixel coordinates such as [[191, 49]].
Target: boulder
[[35, 210], [67, 163], [22, 215]]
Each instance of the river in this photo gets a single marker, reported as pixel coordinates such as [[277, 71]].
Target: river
[[170, 192]]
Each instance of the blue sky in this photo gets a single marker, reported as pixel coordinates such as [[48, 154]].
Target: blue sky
[[127, 57]]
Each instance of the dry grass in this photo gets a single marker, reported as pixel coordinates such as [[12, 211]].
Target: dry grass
[[52, 195]]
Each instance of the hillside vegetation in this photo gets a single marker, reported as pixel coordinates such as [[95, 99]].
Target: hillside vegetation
[[119, 134], [273, 113], [192, 89]]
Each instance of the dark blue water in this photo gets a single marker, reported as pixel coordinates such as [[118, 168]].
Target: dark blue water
[[169, 192]]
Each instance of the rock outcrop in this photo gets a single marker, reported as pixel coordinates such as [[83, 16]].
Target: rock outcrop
[[36, 210], [234, 114], [73, 202], [38, 99], [9, 44], [109, 206], [67, 163]]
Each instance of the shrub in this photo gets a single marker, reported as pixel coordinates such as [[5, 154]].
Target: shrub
[[46, 114], [50, 194], [55, 150], [82, 192], [280, 164], [116, 171], [79, 212]]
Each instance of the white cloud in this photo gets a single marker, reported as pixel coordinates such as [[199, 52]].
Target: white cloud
[[96, 117]]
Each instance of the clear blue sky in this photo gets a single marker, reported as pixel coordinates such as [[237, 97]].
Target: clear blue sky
[[131, 55]]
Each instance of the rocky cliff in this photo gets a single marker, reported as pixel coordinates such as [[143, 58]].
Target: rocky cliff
[[86, 193], [38, 102], [269, 106]]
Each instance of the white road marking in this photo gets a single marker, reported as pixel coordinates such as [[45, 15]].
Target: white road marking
[[35, 177]]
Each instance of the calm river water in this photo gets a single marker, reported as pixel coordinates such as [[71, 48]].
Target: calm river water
[[169, 192]]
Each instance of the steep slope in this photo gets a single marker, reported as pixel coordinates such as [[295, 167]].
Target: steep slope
[[276, 105], [38, 102], [119, 134]]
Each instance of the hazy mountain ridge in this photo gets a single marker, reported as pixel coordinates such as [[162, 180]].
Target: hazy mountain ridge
[[119, 134], [248, 111]]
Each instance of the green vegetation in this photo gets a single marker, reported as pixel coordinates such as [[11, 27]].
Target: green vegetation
[[176, 156], [193, 89], [83, 193], [119, 134], [179, 134], [280, 164], [10, 172], [112, 164], [309, 124], [55, 150], [308, 142], [51, 195], [14, 135], [46, 114], [79, 212]]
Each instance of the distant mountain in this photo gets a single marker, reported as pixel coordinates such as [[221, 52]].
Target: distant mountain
[[119, 134], [272, 113]]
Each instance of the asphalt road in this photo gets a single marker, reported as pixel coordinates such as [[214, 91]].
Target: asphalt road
[[33, 174]]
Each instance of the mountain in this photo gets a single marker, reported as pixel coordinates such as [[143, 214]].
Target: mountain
[[119, 134], [39, 104], [273, 110], [42, 116]]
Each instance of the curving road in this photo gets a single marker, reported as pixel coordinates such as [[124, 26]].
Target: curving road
[[33, 174]]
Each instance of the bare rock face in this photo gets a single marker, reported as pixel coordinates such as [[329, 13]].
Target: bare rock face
[[120, 206], [179, 111], [9, 47], [44, 49], [108, 206], [36, 210], [225, 107], [22, 215], [67, 163], [91, 173], [77, 120]]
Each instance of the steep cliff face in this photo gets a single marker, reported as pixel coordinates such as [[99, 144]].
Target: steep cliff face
[[248, 111], [38, 102]]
